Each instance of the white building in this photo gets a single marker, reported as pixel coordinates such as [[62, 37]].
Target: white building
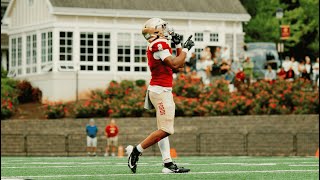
[[65, 45], [4, 37]]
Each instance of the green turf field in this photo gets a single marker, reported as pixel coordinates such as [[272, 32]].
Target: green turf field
[[236, 168]]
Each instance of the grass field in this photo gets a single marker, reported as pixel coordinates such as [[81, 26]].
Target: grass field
[[236, 168]]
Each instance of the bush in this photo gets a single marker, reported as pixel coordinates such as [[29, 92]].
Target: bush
[[28, 93], [4, 73], [55, 110], [9, 97], [140, 82]]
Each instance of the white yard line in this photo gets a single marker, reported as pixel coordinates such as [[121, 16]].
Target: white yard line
[[301, 165], [148, 174]]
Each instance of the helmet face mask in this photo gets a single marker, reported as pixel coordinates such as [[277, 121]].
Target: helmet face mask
[[155, 28]]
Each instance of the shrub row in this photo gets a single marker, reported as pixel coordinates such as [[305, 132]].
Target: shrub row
[[192, 98]]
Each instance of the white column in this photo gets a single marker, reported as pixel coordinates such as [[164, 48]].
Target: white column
[[76, 46], [95, 52], [234, 40], [55, 49], [24, 53]]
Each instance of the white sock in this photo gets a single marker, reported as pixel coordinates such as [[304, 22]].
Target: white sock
[[164, 147], [140, 149]]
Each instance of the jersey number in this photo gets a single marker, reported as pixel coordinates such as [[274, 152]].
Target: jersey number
[[160, 47]]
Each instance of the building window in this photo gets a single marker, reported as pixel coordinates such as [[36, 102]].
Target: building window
[[198, 52], [19, 56], [214, 37], [43, 47], [140, 59], [86, 51], [31, 66], [198, 36], [124, 40], [13, 53], [46, 51], [49, 46], [66, 46], [103, 52]]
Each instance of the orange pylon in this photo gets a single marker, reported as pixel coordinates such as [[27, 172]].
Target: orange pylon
[[173, 153], [120, 151], [317, 153]]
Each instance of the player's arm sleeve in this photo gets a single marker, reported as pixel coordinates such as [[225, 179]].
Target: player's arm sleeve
[[162, 54]]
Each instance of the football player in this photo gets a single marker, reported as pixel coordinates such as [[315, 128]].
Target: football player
[[159, 93]]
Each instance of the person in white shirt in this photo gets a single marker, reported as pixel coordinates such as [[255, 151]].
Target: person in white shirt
[[315, 70], [202, 67], [295, 68], [270, 74], [225, 55], [287, 64], [308, 67]]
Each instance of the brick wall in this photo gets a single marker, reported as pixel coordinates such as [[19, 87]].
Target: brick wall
[[219, 135]]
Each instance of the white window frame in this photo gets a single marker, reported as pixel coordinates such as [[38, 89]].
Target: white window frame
[[214, 37], [199, 36], [140, 44], [66, 46], [105, 55], [86, 58], [124, 43], [31, 53]]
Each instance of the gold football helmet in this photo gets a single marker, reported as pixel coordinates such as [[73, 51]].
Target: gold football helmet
[[155, 28]]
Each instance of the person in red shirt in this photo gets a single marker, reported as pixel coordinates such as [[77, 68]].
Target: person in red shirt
[[159, 93], [111, 132]]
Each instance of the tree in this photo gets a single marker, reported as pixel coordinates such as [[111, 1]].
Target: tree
[[301, 15]]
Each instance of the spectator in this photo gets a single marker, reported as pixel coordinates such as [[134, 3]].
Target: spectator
[[224, 67], [302, 70], [208, 51], [282, 74], [236, 66], [192, 62], [315, 68], [91, 130], [217, 54], [295, 65], [215, 69], [308, 67], [248, 70], [270, 75], [229, 76], [111, 133], [225, 55], [202, 68], [287, 64]]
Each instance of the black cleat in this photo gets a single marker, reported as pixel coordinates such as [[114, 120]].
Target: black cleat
[[173, 168], [133, 157]]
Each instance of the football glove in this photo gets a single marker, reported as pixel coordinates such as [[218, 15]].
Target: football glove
[[188, 44], [176, 38]]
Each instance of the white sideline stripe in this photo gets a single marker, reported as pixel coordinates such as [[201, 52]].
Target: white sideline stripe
[[140, 164], [300, 165], [146, 174]]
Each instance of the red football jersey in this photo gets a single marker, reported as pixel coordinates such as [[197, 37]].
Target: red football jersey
[[161, 74], [112, 131]]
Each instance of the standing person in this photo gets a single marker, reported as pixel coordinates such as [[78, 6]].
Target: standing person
[[91, 130], [203, 67], [248, 70], [302, 70], [295, 68], [111, 132], [308, 68], [315, 68], [159, 93], [192, 62]]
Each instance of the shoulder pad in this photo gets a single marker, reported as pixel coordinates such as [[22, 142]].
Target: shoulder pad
[[159, 45]]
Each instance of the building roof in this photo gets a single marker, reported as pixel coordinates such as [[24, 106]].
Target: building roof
[[203, 6]]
